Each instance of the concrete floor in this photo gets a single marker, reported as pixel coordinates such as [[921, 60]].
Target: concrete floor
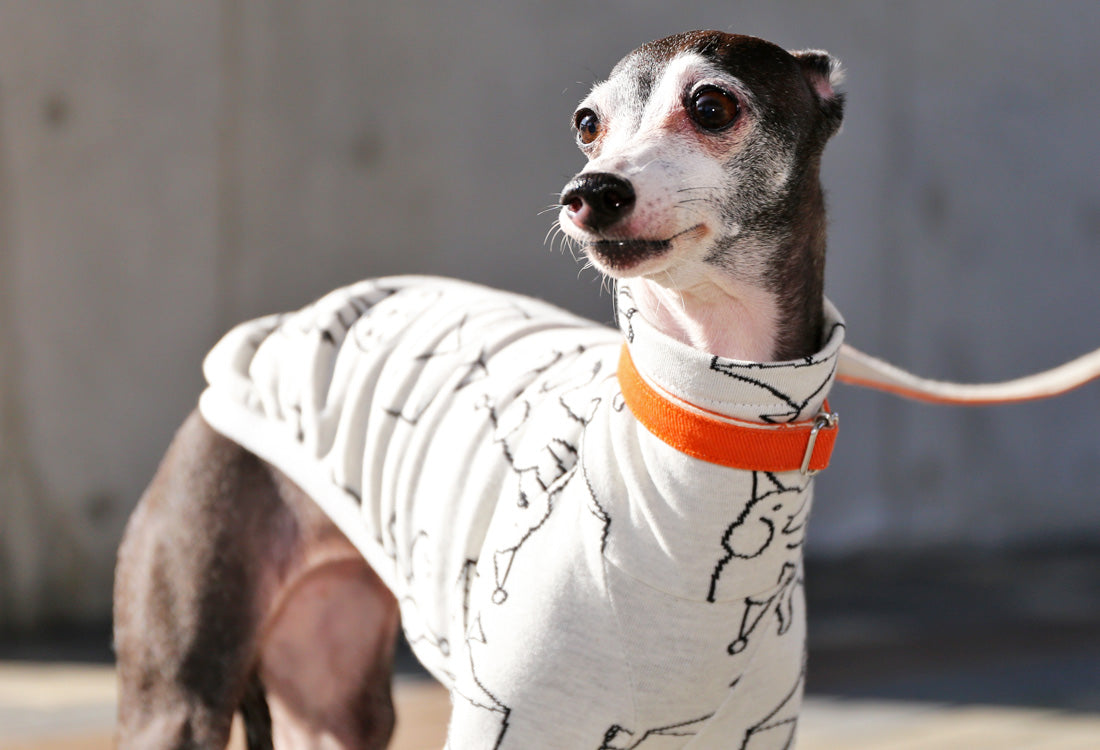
[[71, 707]]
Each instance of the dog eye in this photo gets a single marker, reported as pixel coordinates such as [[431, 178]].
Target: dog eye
[[587, 125], [713, 109]]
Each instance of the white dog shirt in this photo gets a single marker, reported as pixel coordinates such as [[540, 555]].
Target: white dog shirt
[[575, 580]]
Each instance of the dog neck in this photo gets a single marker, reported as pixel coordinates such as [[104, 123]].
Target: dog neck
[[734, 320], [774, 313]]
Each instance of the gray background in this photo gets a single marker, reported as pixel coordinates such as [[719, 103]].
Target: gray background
[[168, 168]]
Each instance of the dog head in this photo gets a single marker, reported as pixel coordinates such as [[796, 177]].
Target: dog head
[[699, 146]]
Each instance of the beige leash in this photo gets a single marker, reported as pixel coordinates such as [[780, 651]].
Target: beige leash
[[857, 368]]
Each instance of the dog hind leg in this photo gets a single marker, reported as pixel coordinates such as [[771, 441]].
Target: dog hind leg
[[234, 591], [189, 591]]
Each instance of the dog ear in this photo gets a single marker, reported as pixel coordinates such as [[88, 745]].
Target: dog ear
[[824, 74]]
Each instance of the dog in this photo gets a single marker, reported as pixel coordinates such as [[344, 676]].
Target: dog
[[591, 536]]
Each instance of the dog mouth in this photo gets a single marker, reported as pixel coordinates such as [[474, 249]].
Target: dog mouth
[[623, 255]]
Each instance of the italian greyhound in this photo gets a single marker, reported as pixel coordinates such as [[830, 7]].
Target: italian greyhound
[[591, 536]]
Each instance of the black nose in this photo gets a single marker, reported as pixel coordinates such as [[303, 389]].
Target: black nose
[[598, 199]]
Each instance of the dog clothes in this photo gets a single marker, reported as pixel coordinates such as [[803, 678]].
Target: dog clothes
[[576, 582]]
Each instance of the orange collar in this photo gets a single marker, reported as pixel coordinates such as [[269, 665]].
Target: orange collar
[[805, 446]]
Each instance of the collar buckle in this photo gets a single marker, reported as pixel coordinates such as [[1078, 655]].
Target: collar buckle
[[824, 420]]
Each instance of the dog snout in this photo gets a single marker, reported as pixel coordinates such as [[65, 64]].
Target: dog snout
[[597, 200]]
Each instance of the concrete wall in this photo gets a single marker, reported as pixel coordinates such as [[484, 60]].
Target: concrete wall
[[167, 168]]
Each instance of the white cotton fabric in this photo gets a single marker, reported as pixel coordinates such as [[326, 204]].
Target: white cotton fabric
[[573, 580]]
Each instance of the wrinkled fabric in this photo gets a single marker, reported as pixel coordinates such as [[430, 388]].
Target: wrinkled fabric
[[575, 582]]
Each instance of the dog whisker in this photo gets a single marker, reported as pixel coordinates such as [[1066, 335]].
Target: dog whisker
[[556, 235], [679, 293], [551, 234], [692, 211], [588, 264], [564, 242]]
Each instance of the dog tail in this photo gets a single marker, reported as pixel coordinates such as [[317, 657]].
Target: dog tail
[[256, 716]]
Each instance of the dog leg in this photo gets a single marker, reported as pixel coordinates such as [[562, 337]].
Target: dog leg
[[326, 660], [226, 569], [326, 646], [187, 592]]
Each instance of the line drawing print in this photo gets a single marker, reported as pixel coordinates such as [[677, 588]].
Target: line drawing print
[[616, 733], [738, 371], [596, 508], [532, 404], [775, 720], [781, 601], [542, 473], [419, 564], [625, 312], [489, 702], [755, 528]]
